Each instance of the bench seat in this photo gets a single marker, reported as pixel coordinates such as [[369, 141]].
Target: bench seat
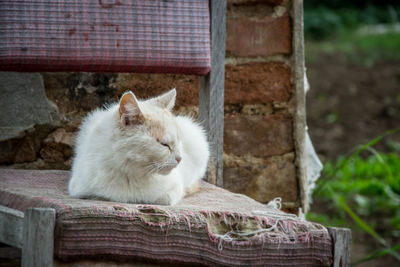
[[211, 227]]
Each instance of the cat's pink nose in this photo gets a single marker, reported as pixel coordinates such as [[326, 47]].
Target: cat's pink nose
[[178, 159]]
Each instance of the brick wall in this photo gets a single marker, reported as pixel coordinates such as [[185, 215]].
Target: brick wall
[[259, 133], [260, 105]]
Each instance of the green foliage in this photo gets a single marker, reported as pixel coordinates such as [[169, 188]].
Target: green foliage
[[322, 22], [336, 221], [372, 184], [336, 26], [378, 254], [332, 117], [356, 47], [347, 3], [365, 189], [388, 43]]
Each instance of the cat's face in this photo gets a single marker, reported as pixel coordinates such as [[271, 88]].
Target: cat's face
[[153, 135]]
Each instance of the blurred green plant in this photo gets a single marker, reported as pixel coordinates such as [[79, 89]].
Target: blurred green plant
[[332, 117], [359, 48], [320, 23], [367, 190], [351, 28], [324, 21], [348, 4]]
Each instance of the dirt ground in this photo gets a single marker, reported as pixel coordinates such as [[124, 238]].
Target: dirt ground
[[349, 104]]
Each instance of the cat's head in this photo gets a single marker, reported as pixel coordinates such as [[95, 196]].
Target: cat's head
[[151, 134]]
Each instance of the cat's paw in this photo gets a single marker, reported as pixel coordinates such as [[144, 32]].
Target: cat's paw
[[171, 197]]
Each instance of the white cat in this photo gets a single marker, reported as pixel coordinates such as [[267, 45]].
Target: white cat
[[138, 152]]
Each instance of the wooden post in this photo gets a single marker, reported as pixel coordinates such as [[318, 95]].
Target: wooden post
[[341, 238], [211, 93], [11, 225], [38, 237], [299, 105]]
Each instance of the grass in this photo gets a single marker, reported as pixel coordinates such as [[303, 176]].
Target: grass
[[357, 47], [365, 190], [337, 31], [371, 185]]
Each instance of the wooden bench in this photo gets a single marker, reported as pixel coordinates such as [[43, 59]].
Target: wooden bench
[[35, 221], [211, 227]]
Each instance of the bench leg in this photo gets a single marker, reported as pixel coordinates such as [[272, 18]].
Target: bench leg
[[341, 238], [38, 237]]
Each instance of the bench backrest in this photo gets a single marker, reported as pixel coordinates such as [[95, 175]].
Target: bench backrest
[[105, 36], [154, 36]]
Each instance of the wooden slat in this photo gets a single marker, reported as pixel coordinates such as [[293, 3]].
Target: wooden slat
[[38, 237], [211, 93], [341, 249], [299, 105], [11, 225]]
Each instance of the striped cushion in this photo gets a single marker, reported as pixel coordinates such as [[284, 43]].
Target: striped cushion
[[105, 36], [211, 227]]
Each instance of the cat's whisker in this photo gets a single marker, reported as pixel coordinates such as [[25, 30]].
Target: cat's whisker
[[150, 168], [154, 167]]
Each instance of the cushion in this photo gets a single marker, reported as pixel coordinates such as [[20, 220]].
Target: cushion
[[211, 227], [105, 36]]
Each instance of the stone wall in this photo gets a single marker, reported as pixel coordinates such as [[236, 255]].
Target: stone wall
[[260, 105]]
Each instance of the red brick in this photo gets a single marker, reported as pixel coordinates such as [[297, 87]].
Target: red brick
[[26, 151], [251, 83], [72, 96], [257, 83], [148, 85], [267, 36], [259, 136], [61, 140], [18, 150], [273, 177], [51, 155]]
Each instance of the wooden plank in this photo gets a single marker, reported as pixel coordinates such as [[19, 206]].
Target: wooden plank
[[211, 93], [38, 237], [299, 105], [341, 248], [11, 225]]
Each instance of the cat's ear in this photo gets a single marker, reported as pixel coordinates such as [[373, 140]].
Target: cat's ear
[[166, 100], [129, 110]]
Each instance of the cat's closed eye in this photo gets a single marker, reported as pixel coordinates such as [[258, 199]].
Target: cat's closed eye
[[166, 145]]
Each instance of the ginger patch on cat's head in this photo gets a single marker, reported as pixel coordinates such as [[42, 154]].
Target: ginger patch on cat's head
[[155, 127]]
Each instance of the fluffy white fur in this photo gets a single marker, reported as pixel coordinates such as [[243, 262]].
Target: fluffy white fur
[[130, 152]]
